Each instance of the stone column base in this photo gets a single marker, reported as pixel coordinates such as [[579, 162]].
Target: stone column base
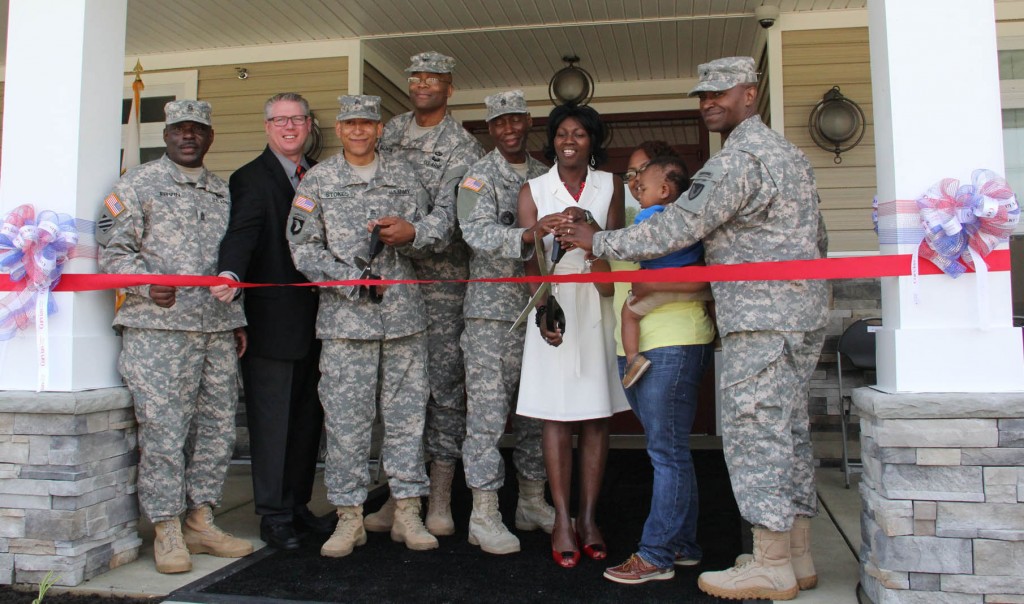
[[68, 466], [942, 497]]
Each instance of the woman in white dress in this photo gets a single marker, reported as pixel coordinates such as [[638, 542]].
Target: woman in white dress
[[566, 377]]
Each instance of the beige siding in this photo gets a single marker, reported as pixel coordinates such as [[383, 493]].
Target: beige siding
[[393, 100], [238, 104], [812, 63]]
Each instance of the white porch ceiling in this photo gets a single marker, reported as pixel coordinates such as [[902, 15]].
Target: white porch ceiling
[[494, 41]]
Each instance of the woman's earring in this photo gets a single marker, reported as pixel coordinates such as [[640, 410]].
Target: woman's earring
[[593, 162]]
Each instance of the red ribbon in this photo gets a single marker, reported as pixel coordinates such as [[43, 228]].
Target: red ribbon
[[860, 267]]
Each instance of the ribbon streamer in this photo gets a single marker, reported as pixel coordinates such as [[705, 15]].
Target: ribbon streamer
[[862, 267], [33, 250]]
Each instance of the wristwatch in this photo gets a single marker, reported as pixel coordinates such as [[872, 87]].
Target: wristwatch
[[588, 217]]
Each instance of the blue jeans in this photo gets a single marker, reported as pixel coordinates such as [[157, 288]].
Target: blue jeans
[[665, 401]]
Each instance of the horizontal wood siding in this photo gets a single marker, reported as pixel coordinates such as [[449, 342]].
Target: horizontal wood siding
[[814, 61], [393, 100], [238, 104]]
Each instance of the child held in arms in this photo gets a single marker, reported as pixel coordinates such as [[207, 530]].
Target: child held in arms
[[661, 182]]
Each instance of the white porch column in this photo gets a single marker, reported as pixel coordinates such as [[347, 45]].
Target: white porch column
[[935, 81], [61, 139]]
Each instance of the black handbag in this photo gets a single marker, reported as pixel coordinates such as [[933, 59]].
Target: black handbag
[[554, 316]]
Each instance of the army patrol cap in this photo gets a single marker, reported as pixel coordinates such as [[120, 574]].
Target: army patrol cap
[[188, 111], [360, 106], [430, 62], [723, 74], [503, 103]]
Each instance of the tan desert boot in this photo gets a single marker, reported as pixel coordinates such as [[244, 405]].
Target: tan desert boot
[[408, 527], [486, 528], [169, 548], [439, 504], [381, 520], [799, 554], [347, 535], [203, 537], [769, 576], [532, 510]]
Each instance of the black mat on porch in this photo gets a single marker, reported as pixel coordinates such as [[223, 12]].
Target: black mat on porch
[[457, 572]]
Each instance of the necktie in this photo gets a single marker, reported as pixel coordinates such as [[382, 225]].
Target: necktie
[[299, 172]]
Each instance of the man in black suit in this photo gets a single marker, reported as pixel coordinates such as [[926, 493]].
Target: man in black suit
[[280, 370]]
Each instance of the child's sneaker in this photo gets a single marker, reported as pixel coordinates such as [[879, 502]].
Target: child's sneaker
[[635, 370]]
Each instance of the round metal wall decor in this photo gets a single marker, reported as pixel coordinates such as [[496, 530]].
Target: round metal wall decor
[[836, 123], [571, 85]]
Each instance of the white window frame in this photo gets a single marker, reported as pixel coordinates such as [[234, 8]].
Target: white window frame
[[183, 84]]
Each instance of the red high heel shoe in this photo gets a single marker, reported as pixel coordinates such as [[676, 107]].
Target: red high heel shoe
[[565, 559], [594, 551]]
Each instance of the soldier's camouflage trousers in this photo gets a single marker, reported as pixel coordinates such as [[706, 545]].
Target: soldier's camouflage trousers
[[185, 388], [446, 409], [352, 373], [765, 431], [494, 358]]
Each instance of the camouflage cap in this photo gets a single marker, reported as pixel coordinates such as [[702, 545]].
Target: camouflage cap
[[188, 111], [360, 106], [723, 74], [502, 103], [430, 62]]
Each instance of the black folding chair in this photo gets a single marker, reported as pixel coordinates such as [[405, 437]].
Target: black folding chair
[[857, 345]]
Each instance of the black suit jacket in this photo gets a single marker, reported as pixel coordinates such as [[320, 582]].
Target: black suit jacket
[[281, 320]]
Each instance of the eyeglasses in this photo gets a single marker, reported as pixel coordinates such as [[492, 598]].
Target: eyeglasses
[[415, 81], [633, 173], [282, 120]]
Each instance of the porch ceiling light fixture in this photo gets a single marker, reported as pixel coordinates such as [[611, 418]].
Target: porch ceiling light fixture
[[836, 123], [571, 85]]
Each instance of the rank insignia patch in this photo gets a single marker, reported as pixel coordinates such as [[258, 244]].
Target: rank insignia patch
[[114, 205], [472, 184], [304, 204]]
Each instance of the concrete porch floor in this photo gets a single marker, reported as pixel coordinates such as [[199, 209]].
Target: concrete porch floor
[[836, 538]]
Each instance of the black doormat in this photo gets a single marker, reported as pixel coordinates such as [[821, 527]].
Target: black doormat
[[383, 571]]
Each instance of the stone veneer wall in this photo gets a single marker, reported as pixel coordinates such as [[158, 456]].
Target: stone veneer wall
[[68, 464], [942, 497]]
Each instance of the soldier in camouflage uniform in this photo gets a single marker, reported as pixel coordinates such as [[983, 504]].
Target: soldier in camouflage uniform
[[754, 201], [440, 150], [180, 346], [488, 210], [337, 205]]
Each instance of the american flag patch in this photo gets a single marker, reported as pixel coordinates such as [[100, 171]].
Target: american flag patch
[[472, 184], [304, 204], [113, 205]]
